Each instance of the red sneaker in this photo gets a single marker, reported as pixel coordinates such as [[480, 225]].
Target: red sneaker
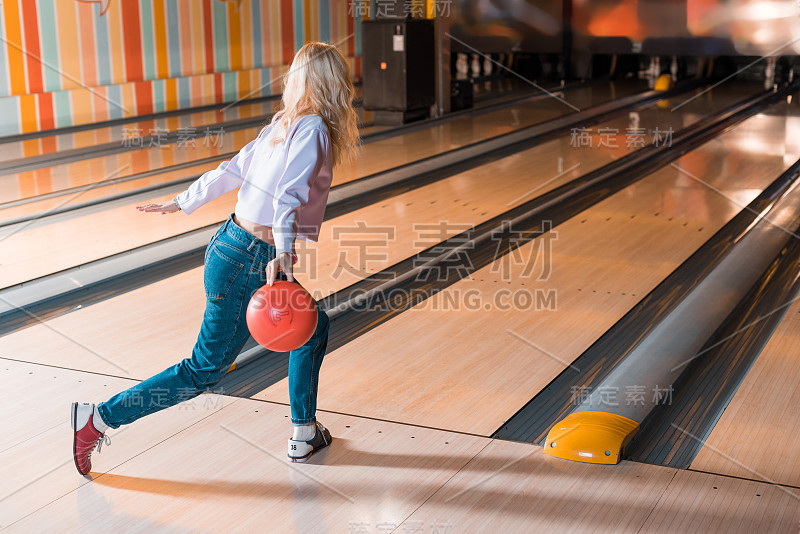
[[86, 436]]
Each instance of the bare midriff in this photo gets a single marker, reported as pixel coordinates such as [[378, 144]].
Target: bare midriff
[[264, 233]]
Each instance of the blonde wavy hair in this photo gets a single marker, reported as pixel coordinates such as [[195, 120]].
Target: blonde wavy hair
[[319, 83]]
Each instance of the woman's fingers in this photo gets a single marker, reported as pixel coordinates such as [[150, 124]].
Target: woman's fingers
[[287, 267], [149, 207], [283, 263], [271, 274], [166, 207]]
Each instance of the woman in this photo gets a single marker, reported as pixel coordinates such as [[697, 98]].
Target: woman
[[284, 176]]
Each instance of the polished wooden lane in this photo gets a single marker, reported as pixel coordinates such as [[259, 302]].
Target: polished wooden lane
[[36, 447], [219, 464], [193, 124], [225, 468], [190, 124], [757, 435], [387, 153], [221, 467], [35, 251], [169, 312], [50, 204], [700, 502], [513, 487], [474, 358], [92, 175], [96, 172]]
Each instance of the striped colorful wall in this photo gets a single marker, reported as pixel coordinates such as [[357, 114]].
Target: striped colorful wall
[[70, 62]]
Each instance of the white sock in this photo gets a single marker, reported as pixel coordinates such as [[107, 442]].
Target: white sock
[[97, 421], [304, 432]]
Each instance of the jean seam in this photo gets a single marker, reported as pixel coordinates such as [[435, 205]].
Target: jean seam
[[243, 252], [227, 347], [245, 285], [237, 239], [211, 243], [134, 417], [229, 284], [130, 418], [312, 382]]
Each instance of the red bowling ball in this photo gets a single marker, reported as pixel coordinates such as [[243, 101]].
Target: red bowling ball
[[282, 317]]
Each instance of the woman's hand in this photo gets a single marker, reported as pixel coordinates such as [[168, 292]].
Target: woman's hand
[[283, 263], [162, 208]]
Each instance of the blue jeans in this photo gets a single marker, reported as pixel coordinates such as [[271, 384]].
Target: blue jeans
[[235, 264]]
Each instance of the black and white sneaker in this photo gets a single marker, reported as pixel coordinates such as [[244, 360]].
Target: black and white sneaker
[[300, 451]]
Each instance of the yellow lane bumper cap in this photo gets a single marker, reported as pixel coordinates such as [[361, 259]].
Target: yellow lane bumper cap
[[591, 437]]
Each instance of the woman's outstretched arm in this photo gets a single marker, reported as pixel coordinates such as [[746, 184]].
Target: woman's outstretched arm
[[212, 184]]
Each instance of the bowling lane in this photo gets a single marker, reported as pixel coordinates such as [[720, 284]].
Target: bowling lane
[[159, 472], [92, 236], [509, 487], [386, 153], [190, 123], [37, 466], [193, 123], [484, 90], [46, 205], [756, 437], [486, 356], [106, 335]]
